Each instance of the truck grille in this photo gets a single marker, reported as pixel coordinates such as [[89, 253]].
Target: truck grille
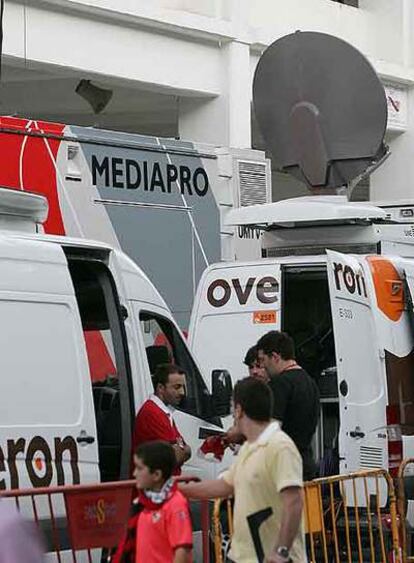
[[370, 457]]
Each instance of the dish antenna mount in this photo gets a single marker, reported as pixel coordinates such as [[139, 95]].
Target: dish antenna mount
[[322, 110]]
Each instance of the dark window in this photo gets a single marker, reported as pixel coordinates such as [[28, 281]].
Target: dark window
[[164, 344]]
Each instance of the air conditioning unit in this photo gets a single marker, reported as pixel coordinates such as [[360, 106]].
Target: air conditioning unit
[[254, 187], [245, 180]]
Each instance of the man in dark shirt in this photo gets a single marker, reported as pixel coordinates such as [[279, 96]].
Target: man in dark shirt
[[296, 395]]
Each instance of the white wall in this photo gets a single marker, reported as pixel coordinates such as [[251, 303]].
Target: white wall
[[395, 178], [204, 52], [375, 28], [109, 47]]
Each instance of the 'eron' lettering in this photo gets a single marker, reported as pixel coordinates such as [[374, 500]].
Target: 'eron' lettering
[[67, 444], [38, 444], [2, 468], [14, 447]]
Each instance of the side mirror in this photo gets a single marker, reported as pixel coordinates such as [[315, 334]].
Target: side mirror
[[221, 391]]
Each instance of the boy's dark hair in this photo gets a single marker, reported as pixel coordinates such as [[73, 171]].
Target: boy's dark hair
[[279, 342], [157, 455], [163, 372], [255, 398], [251, 356]]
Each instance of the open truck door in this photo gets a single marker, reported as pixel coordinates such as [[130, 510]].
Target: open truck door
[[235, 305], [360, 364], [372, 319]]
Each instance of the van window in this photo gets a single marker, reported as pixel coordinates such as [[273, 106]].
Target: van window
[[39, 360], [108, 364], [164, 344], [227, 352]]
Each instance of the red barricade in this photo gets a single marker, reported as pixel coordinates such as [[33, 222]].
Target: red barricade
[[85, 521]]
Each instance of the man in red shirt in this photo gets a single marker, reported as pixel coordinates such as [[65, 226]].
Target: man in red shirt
[[155, 421]]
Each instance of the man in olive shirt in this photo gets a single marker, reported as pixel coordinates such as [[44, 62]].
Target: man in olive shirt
[[295, 394]]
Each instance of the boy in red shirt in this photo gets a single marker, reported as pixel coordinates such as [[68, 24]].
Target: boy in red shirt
[[162, 524]]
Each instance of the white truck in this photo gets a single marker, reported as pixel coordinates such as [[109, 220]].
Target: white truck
[[336, 275], [162, 201], [343, 288], [58, 424]]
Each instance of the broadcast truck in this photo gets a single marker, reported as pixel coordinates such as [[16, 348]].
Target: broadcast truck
[[87, 219], [337, 275], [162, 201], [82, 332]]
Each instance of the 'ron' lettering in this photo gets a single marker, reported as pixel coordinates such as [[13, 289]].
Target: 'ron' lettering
[[353, 282], [220, 290]]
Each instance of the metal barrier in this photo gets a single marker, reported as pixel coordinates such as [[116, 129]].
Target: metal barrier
[[352, 518], [76, 520], [402, 509], [85, 522], [348, 518]]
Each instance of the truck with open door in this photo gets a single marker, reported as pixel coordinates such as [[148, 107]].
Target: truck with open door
[[350, 314], [82, 331], [336, 275]]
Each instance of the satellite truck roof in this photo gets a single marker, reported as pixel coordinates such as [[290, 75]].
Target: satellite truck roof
[[300, 210], [321, 109]]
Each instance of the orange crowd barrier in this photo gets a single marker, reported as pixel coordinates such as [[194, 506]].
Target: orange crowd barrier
[[348, 519]]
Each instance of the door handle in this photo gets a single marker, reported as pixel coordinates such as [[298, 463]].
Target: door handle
[[357, 433], [84, 438]]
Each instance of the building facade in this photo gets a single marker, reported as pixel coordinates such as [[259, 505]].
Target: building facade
[[184, 68]]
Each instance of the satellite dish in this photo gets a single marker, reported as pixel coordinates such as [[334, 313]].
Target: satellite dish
[[321, 109]]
